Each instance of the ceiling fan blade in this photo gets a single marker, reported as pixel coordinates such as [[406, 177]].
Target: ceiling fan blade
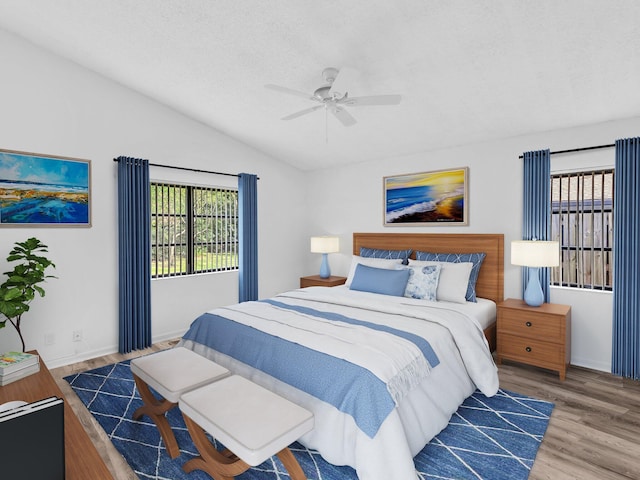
[[345, 117], [342, 82], [290, 91], [302, 112], [372, 100]]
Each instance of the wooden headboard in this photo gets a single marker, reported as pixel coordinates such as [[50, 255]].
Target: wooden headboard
[[491, 279]]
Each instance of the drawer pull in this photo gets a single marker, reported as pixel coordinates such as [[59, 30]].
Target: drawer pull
[[528, 324], [528, 349]]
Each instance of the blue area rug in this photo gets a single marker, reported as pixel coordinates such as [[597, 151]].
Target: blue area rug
[[493, 438]]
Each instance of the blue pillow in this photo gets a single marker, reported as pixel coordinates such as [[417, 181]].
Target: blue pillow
[[475, 258], [389, 254], [380, 280], [423, 282]]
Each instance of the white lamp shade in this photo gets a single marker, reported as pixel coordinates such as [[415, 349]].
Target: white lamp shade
[[535, 253], [325, 244]]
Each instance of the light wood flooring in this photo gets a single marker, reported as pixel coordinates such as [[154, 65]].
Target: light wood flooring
[[594, 432]]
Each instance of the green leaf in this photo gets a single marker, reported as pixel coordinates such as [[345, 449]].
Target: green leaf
[[12, 293]]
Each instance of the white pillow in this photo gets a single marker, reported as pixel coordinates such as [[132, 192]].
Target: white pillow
[[389, 264], [453, 279]]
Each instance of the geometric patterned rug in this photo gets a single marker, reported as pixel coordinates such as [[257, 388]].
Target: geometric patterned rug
[[493, 438]]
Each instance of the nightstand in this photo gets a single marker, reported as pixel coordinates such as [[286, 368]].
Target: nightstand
[[317, 281], [539, 336]]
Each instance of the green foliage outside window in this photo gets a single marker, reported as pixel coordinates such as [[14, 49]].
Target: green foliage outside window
[[193, 229]]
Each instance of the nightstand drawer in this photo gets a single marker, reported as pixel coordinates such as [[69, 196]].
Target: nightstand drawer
[[533, 352], [532, 325]]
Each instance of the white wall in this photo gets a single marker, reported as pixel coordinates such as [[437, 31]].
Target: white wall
[[495, 191], [52, 106]]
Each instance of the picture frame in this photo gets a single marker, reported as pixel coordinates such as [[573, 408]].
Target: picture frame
[[436, 198], [40, 190]]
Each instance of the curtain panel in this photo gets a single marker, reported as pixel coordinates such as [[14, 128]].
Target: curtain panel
[[626, 260], [248, 233], [134, 253], [536, 222]]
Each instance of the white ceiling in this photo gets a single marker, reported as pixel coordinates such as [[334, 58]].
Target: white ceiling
[[468, 70]]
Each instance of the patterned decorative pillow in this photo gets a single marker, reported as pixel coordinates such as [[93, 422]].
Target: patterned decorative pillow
[[475, 258], [389, 254], [423, 282]]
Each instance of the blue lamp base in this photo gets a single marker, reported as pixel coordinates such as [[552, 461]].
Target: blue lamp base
[[325, 271], [533, 295]]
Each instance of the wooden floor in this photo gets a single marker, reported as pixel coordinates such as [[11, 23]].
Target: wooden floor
[[594, 432]]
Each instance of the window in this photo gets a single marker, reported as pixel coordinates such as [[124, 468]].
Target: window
[[193, 230], [582, 222]]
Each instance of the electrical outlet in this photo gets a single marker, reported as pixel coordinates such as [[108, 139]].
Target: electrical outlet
[[49, 338], [77, 335]]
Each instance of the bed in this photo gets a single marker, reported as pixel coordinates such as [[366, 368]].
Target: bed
[[382, 374]]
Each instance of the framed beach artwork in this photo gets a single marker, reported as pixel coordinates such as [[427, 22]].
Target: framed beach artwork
[[39, 190], [429, 198]]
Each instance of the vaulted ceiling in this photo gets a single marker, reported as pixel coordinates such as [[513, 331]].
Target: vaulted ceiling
[[467, 70]]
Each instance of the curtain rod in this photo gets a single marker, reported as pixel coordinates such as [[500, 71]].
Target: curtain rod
[[579, 149], [191, 169]]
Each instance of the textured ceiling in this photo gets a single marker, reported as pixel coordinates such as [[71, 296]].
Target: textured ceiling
[[468, 70]]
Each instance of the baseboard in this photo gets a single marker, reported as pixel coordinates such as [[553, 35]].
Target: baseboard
[[79, 357], [89, 354], [591, 365]]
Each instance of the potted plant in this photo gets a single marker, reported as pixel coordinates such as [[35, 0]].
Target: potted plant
[[22, 283]]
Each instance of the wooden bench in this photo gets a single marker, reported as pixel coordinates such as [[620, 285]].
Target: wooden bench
[[252, 422], [170, 373]]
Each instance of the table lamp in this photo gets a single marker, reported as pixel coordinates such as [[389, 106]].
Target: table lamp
[[325, 245], [534, 254]]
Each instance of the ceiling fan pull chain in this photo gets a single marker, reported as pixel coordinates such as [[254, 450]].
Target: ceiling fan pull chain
[[326, 125]]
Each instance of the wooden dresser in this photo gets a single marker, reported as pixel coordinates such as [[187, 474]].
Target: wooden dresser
[[82, 460], [539, 336]]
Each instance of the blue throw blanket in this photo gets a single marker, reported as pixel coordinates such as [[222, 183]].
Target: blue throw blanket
[[350, 388]]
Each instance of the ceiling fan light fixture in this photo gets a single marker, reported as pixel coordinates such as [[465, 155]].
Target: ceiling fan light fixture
[[329, 74]]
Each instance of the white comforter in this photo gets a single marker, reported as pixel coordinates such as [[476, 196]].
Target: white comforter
[[424, 410]]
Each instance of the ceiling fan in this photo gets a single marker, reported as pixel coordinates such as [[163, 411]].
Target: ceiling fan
[[334, 96]]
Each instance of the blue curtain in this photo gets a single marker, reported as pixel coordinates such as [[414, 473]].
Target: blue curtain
[[134, 253], [626, 260], [248, 232], [536, 222]]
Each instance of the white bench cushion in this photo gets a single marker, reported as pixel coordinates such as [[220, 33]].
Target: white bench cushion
[[176, 371], [251, 421]]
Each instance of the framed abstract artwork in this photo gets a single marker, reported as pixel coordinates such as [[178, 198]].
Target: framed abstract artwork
[[427, 199], [44, 190]]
